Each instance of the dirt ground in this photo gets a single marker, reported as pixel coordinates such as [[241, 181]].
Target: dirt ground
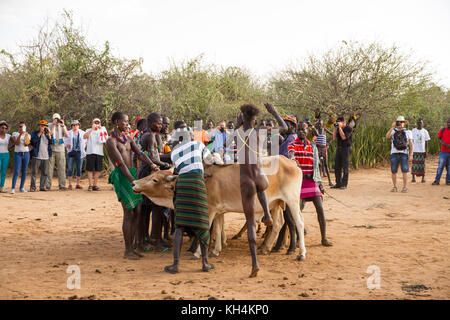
[[405, 235]]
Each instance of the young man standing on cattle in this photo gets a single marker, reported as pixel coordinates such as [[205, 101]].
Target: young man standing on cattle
[[151, 144], [253, 181], [190, 198], [119, 149], [306, 155]]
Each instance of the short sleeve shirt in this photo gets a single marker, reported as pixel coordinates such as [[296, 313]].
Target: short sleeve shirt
[[419, 139], [408, 137]]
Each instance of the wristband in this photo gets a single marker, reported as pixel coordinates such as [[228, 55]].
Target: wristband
[[118, 163]]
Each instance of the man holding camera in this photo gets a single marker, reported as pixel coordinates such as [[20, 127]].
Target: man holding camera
[[58, 157], [343, 134], [401, 143], [41, 140]]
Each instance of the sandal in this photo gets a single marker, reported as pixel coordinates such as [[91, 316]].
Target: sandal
[[404, 190], [90, 188], [95, 188], [78, 186], [70, 187], [394, 189]]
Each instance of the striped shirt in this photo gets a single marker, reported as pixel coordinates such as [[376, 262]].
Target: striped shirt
[[188, 157], [304, 155], [321, 140]]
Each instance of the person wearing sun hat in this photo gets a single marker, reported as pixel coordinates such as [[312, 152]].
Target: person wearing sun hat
[[41, 140], [58, 157], [289, 135], [401, 145], [76, 152]]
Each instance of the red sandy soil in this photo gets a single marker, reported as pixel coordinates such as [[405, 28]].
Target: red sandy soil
[[405, 235]]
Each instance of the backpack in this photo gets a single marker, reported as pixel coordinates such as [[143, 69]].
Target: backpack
[[400, 141]]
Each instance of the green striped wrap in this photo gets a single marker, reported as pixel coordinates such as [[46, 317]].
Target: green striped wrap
[[191, 205]]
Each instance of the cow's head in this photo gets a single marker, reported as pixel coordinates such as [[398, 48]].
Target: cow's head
[[158, 187]]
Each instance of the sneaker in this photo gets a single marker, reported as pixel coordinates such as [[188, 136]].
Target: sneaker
[[32, 189], [342, 187], [12, 191], [435, 183], [336, 187], [43, 189], [78, 186], [23, 190], [62, 189], [394, 189], [70, 187], [404, 190], [95, 188]]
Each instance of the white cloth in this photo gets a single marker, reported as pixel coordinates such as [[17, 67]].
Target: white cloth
[[21, 147], [419, 139], [96, 140], [69, 142], [58, 138], [4, 144], [43, 148], [408, 137]]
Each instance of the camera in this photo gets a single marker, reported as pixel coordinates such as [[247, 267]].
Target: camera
[[397, 123], [336, 124], [59, 121], [46, 130]]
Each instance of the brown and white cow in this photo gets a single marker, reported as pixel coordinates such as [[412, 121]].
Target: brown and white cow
[[224, 195]]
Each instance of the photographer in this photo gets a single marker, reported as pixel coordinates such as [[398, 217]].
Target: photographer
[[343, 134], [95, 137], [41, 141], [401, 141], [58, 157]]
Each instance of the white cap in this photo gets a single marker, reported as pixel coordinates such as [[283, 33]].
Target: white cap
[[96, 119], [56, 116], [401, 119]]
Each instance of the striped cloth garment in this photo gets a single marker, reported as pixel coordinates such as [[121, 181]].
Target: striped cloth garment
[[321, 140], [188, 157], [303, 155]]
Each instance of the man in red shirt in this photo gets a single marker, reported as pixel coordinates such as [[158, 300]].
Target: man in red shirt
[[444, 156]]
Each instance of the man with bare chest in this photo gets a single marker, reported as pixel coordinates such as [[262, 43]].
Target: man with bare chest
[[119, 148], [151, 145]]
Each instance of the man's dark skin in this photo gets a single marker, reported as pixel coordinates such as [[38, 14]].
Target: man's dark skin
[[317, 201], [420, 127], [150, 144], [442, 141], [121, 154], [253, 181]]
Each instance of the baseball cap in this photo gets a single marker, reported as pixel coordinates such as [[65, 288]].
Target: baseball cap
[[4, 123], [96, 119], [56, 116], [400, 118], [43, 122]]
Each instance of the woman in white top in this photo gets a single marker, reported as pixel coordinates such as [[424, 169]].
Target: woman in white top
[[4, 153], [21, 155], [96, 137], [76, 152]]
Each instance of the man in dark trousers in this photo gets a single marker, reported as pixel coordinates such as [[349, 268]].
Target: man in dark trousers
[[343, 134]]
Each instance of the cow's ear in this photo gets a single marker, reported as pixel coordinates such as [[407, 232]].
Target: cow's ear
[[170, 178]]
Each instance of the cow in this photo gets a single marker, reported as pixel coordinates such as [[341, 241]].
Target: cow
[[222, 184]]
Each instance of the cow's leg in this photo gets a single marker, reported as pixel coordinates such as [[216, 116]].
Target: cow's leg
[[292, 231], [239, 234], [272, 235], [294, 207], [281, 236], [217, 228]]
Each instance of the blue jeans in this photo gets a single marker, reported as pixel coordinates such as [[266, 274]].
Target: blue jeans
[[444, 161], [21, 160], [399, 159], [4, 162], [78, 161]]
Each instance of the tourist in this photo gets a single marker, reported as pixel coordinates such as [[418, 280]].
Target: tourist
[[321, 144], [22, 141], [4, 152], [58, 157], [420, 142], [444, 155], [96, 137], [401, 144], [343, 134], [76, 152], [41, 141]]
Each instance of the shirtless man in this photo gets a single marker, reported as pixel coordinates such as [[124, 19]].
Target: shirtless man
[[151, 145], [253, 181], [119, 149]]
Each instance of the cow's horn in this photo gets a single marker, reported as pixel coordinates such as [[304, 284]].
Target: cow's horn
[[170, 178]]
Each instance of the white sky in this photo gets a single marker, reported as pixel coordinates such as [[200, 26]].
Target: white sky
[[262, 36]]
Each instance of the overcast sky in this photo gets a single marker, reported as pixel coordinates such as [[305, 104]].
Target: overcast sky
[[262, 36]]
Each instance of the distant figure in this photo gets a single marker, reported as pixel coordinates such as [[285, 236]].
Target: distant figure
[[96, 138], [4, 152], [420, 139], [22, 141], [76, 152], [58, 157], [444, 155], [41, 141], [343, 135], [321, 144], [401, 143]]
